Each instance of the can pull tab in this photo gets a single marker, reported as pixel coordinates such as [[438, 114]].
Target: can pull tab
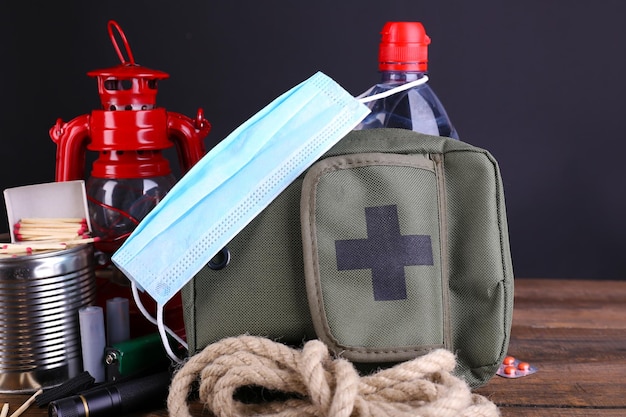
[[114, 25]]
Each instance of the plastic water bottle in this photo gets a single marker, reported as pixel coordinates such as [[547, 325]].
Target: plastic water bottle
[[403, 58]]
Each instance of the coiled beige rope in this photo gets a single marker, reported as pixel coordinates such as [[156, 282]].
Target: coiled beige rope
[[325, 387]]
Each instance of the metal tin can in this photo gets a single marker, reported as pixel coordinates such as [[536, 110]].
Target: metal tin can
[[40, 295]]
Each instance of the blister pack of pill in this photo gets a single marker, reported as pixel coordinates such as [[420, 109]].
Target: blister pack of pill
[[512, 367]]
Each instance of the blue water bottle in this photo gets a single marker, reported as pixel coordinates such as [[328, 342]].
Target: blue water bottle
[[403, 58]]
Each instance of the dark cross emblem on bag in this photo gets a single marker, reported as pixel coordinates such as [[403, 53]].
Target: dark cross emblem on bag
[[385, 251]]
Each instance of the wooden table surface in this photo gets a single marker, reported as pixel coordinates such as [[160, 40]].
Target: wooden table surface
[[573, 331]]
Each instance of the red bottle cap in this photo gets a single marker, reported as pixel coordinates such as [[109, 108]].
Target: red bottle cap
[[403, 47]]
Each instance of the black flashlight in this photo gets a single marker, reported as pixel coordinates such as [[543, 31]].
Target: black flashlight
[[117, 399]]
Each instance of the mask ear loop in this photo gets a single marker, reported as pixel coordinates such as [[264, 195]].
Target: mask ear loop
[[163, 329], [394, 90]]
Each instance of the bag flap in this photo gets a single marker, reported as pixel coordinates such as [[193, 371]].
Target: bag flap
[[375, 255]]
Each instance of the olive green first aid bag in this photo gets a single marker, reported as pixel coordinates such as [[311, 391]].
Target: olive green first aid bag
[[392, 244]]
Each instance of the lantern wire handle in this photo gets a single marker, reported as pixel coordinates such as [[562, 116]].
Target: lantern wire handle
[[113, 24]]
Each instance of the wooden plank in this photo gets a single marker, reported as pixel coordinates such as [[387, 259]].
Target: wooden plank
[[558, 412]]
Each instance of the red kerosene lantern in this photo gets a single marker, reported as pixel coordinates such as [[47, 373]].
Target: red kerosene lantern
[[131, 174]]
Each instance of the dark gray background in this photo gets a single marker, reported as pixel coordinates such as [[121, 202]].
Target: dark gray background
[[539, 83]]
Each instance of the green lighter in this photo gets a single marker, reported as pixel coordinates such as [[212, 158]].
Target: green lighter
[[135, 356]]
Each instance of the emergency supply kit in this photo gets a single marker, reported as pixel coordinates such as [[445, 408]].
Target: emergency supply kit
[[385, 245]]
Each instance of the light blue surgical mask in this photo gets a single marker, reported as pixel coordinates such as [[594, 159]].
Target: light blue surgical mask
[[233, 183]]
